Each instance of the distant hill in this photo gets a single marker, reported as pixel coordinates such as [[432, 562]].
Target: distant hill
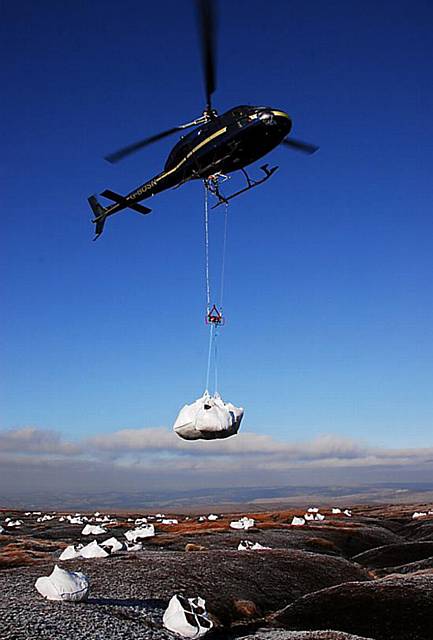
[[260, 498]]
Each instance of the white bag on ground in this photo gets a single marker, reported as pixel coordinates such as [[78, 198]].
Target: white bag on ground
[[113, 544], [208, 418], [63, 585], [93, 550], [71, 552], [243, 523], [187, 617], [93, 529], [134, 546], [146, 531], [247, 545]]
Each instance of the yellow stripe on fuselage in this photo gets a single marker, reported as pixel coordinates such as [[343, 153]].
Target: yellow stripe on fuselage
[[280, 113], [188, 155]]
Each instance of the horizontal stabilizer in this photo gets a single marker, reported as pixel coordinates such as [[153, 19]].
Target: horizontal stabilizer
[[119, 199], [139, 208], [113, 195]]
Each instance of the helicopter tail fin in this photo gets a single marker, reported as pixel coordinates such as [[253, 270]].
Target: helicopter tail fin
[[100, 216]]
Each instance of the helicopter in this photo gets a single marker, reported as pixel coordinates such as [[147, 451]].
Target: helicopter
[[219, 144]]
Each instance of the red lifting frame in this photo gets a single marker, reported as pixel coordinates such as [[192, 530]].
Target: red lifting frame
[[215, 316]]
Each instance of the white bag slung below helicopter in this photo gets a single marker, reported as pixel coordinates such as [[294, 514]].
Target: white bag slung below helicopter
[[208, 418]]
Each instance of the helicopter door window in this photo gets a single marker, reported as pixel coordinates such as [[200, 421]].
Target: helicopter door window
[[242, 122]]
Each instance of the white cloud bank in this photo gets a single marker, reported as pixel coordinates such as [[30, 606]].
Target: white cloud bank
[[156, 457], [150, 444], [31, 440]]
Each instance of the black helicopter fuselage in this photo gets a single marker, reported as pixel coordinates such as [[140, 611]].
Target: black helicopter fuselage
[[226, 143]]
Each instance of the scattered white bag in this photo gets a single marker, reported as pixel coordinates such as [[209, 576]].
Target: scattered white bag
[[113, 544], [297, 522], [147, 531], [93, 550], [314, 516], [63, 585], [246, 545], [134, 546], [208, 418], [336, 510], [243, 523], [14, 523], [71, 552], [187, 617], [44, 518], [93, 529], [212, 517], [419, 514]]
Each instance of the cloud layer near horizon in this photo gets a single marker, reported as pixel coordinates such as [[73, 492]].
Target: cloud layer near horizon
[[158, 456]]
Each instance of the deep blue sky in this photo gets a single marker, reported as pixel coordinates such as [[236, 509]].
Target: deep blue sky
[[329, 296]]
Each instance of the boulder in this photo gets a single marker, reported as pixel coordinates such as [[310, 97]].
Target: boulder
[[246, 609], [194, 547]]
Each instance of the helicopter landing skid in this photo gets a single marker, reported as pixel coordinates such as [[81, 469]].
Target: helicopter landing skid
[[213, 186]]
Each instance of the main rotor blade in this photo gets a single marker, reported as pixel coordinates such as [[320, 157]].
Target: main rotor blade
[[298, 145], [136, 146], [207, 35]]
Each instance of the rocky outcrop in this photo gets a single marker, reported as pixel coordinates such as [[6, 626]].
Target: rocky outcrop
[[411, 567], [395, 554], [391, 608], [277, 634]]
